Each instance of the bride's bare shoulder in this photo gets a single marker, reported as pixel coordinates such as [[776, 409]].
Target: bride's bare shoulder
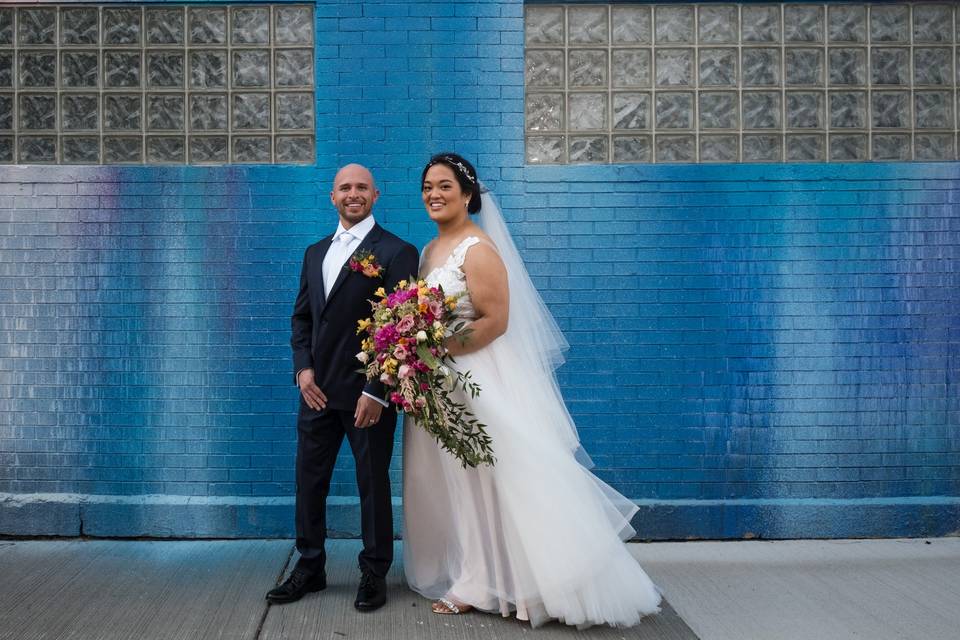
[[482, 236], [483, 255], [427, 249]]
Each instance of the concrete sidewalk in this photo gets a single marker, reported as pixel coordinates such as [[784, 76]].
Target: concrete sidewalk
[[108, 589], [816, 589]]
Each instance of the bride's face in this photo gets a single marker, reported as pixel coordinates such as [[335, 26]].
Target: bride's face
[[442, 196]]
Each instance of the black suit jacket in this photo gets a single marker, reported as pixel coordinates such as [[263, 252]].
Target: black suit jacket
[[324, 335]]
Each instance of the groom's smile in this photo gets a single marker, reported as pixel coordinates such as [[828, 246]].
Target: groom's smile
[[354, 194]]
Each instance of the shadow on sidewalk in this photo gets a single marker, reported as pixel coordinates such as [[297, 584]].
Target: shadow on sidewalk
[[108, 589]]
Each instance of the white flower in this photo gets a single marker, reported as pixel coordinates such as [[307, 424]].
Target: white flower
[[363, 357], [437, 325], [421, 336], [444, 371]]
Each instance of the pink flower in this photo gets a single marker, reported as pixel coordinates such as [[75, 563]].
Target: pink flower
[[388, 379], [386, 336], [400, 353], [424, 386], [399, 297], [421, 402], [405, 371], [436, 308], [406, 323]]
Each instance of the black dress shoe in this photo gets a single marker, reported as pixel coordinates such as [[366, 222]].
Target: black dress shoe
[[299, 584], [372, 593]]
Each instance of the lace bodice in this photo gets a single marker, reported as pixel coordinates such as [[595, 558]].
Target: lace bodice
[[451, 278]]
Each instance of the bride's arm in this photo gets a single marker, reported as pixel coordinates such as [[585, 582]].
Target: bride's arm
[[487, 283], [425, 257]]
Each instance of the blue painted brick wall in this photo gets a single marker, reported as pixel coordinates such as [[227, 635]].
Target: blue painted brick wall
[[775, 334], [757, 332]]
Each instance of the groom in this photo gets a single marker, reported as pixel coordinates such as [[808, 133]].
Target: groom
[[336, 400]]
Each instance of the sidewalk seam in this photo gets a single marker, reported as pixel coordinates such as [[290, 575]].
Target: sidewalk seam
[[266, 607]]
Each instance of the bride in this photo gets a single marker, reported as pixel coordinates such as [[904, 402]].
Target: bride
[[536, 534]]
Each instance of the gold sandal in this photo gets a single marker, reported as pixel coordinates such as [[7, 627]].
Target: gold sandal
[[446, 607]]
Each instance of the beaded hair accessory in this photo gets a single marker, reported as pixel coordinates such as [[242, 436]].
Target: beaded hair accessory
[[455, 163]]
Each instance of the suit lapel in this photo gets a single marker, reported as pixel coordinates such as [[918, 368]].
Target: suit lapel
[[369, 243], [324, 246]]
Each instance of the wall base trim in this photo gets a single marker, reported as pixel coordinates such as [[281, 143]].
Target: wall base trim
[[781, 519], [160, 516]]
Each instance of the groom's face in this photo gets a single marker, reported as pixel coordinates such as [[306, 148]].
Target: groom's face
[[353, 194]]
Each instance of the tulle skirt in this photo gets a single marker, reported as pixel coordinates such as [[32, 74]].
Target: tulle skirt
[[537, 534]]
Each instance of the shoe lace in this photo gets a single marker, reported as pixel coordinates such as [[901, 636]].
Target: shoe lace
[[298, 578], [366, 580]]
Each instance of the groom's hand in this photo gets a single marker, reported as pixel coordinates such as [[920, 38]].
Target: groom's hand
[[367, 413], [312, 394]]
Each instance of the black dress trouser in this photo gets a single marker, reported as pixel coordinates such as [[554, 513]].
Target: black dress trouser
[[319, 435]]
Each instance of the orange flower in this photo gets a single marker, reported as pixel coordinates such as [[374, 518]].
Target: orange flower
[[365, 263]]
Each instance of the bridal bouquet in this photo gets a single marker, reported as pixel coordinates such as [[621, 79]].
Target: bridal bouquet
[[403, 348]]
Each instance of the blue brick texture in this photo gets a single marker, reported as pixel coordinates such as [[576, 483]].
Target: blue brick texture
[[745, 334]]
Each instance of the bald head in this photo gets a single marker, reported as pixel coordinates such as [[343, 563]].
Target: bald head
[[354, 193], [354, 172]]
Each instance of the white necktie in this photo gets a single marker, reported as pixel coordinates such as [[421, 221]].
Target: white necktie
[[337, 255]]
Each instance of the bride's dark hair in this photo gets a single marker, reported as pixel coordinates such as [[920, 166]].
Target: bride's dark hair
[[465, 173]]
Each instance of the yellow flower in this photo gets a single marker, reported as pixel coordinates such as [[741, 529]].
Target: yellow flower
[[363, 324], [390, 366], [402, 284], [380, 293]]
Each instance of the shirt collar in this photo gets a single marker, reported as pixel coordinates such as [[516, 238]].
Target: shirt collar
[[359, 230]]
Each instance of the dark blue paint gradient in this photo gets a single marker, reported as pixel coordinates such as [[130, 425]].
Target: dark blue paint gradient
[[756, 350]]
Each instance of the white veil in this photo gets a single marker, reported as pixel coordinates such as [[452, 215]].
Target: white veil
[[532, 329], [532, 334]]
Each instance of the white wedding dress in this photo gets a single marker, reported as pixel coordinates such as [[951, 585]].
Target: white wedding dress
[[537, 534]]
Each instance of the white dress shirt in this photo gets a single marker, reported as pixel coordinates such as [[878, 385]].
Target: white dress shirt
[[343, 245]]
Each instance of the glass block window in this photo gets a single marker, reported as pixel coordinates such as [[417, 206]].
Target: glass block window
[[792, 82], [156, 84]]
